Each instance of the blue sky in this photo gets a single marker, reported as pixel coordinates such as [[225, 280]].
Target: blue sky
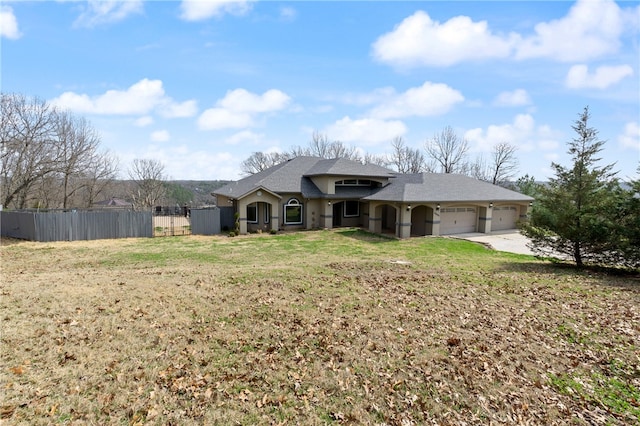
[[200, 85]]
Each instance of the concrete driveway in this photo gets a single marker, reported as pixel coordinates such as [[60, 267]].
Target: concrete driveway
[[511, 241]]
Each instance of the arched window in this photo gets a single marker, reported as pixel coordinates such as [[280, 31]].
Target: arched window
[[293, 212]]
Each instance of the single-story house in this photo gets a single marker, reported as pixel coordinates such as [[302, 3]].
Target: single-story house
[[113, 203], [312, 192]]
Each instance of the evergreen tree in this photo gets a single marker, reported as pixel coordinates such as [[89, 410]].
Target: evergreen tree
[[627, 240], [574, 214]]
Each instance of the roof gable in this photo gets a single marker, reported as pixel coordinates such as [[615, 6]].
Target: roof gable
[[344, 167], [292, 176]]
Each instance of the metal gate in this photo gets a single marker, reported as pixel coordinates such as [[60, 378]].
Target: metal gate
[[171, 225]]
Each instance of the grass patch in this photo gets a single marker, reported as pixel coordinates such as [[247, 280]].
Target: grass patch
[[341, 327]]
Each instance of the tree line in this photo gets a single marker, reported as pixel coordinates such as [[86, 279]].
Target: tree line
[[445, 152], [50, 158]]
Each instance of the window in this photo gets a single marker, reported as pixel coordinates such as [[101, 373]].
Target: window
[[267, 213], [351, 208], [293, 212], [252, 213], [354, 182]]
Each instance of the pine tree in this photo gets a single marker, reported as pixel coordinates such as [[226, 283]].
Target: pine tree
[[574, 214], [627, 241]]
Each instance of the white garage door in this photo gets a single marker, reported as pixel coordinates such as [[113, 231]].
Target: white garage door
[[504, 217], [457, 220]]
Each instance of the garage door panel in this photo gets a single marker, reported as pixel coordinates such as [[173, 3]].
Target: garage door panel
[[457, 220], [504, 218]]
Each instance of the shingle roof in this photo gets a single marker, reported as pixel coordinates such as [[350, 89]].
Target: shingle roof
[[293, 176], [441, 187], [287, 177], [344, 167]]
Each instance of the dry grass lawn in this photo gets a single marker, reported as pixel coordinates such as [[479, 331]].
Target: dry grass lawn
[[311, 328]]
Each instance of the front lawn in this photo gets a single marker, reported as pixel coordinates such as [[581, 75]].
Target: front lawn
[[323, 327]]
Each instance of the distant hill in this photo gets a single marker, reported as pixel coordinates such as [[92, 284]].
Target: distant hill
[[200, 190], [195, 193]]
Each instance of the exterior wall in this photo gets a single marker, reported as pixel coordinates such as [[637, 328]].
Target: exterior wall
[[257, 197], [326, 184], [339, 218], [326, 215], [382, 216], [404, 224], [281, 213], [313, 214], [423, 219], [485, 217]]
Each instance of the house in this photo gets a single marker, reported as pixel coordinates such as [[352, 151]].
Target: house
[[312, 192], [113, 203]]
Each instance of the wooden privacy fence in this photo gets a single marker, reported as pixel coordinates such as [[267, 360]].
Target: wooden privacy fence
[[100, 224]]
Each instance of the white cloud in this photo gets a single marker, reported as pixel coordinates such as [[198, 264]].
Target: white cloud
[[177, 110], [145, 121], [238, 108], [518, 97], [288, 13], [220, 118], [374, 97], [523, 133], [199, 10], [243, 101], [592, 28], [418, 40], [604, 76], [141, 98], [8, 24], [181, 162], [243, 137], [367, 131], [427, 100], [99, 12], [160, 136], [631, 136]]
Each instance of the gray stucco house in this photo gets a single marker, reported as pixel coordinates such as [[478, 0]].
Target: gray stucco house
[[312, 192]]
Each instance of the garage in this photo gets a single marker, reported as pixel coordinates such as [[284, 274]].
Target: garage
[[457, 220], [504, 217]]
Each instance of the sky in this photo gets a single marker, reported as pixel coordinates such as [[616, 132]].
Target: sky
[[201, 85]]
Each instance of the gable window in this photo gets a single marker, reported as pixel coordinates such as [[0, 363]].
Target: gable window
[[252, 213], [351, 208], [293, 212], [354, 182]]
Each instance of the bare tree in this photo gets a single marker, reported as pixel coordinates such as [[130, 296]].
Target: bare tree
[[504, 163], [406, 159], [46, 155], [149, 179], [379, 160], [99, 174], [259, 161], [77, 146], [448, 151], [27, 147], [321, 146]]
